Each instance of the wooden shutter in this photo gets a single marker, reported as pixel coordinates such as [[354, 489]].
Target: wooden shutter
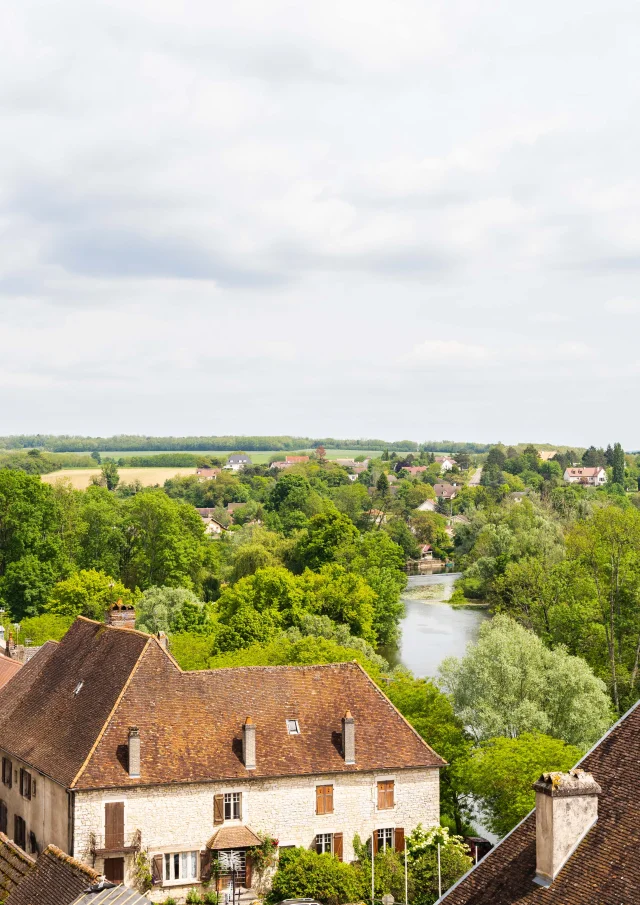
[[381, 797], [205, 865], [156, 870], [391, 794], [7, 772], [319, 800], [114, 870], [375, 842], [114, 825], [328, 799], [248, 865], [337, 846], [3, 818], [218, 809], [399, 839], [385, 795]]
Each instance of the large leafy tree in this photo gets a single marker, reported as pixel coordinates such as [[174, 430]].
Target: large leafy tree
[[171, 610], [87, 593], [509, 682], [29, 520]]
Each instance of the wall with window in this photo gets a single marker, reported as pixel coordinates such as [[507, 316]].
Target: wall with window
[[34, 798], [181, 819]]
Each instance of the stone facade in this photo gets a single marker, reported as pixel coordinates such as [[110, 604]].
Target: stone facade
[[179, 818]]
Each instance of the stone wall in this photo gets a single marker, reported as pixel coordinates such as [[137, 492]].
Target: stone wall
[[180, 818]]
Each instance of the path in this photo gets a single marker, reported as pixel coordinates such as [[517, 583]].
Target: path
[[474, 480]]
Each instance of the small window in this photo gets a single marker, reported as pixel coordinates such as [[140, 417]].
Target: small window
[[25, 783], [6, 771], [386, 795], [34, 848], [19, 832], [293, 727], [180, 866], [233, 806], [385, 839], [4, 818], [324, 843]]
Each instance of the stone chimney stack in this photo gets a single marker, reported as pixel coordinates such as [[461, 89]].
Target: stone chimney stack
[[134, 752], [249, 744], [163, 640], [566, 809], [121, 615], [349, 738]]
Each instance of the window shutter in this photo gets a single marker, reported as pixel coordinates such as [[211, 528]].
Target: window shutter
[[156, 870], [337, 846], [380, 796], [218, 809], [3, 818], [205, 865], [399, 839], [391, 787], [114, 825], [329, 799], [375, 842], [319, 800]]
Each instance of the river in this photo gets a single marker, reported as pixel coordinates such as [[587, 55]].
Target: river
[[433, 629]]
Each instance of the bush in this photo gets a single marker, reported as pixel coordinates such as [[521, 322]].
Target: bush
[[303, 873]]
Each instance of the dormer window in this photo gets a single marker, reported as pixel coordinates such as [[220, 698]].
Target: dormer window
[[293, 727]]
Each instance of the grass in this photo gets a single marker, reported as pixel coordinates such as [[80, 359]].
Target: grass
[[80, 478]]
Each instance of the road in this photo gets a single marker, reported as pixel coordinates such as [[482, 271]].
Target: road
[[474, 480]]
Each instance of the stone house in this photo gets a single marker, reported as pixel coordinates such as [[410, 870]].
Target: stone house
[[110, 749]]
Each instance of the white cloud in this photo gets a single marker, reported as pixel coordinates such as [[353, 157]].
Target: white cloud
[[439, 352], [623, 305]]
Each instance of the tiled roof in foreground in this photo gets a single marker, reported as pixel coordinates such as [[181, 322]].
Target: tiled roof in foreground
[[605, 867], [56, 879], [8, 669], [14, 866], [70, 712]]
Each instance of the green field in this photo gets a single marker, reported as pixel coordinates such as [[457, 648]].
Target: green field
[[258, 457]]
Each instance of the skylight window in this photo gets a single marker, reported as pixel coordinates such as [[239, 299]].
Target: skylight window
[[78, 687], [293, 727]]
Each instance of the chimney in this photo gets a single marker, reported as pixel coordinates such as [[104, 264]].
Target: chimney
[[566, 809], [249, 744], [134, 752], [121, 615], [349, 738], [163, 640]]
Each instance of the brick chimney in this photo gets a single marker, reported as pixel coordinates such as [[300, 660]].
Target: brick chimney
[[134, 752], [566, 809], [349, 738], [121, 615], [249, 744]]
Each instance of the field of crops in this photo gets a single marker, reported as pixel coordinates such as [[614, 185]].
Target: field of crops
[[80, 478]]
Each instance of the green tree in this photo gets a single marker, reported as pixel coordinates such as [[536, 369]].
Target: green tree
[[618, 464], [29, 521], [326, 533], [87, 593], [26, 586], [109, 475], [509, 682], [302, 873], [171, 610], [501, 772], [454, 861]]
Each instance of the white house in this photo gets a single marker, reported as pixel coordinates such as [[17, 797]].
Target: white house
[[446, 463], [237, 461], [593, 477], [109, 748]]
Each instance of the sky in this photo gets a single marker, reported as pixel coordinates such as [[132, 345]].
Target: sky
[[342, 218]]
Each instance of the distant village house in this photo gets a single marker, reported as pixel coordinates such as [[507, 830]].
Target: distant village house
[[238, 461], [591, 477]]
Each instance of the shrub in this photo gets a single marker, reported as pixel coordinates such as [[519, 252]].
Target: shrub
[[303, 873]]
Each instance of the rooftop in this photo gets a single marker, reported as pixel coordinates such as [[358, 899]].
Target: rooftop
[[56, 879], [191, 722], [14, 866], [8, 669], [605, 867]]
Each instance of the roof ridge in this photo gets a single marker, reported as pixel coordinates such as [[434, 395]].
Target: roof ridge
[[113, 709], [20, 852], [69, 859], [340, 663], [403, 718], [115, 628]]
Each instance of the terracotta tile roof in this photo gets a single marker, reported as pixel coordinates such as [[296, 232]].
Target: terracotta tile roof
[[445, 491], [604, 869], [191, 724], [42, 718], [233, 837], [56, 879], [14, 866], [8, 669]]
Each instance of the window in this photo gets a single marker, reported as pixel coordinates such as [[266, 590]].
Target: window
[[19, 832], [385, 795], [180, 866], [3, 818], [324, 799], [233, 806], [34, 848], [385, 839], [324, 843], [293, 727], [25, 783], [6, 771]]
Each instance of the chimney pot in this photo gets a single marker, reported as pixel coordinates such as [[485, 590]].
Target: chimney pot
[[566, 809], [134, 752], [349, 738], [121, 615], [249, 744]]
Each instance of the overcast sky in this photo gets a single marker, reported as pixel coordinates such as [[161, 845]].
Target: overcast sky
[[336, 217]]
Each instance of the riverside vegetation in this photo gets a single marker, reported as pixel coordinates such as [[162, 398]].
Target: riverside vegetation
[[311, 571]]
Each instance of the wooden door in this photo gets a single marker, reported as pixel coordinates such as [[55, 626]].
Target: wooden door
[[114, 870], [114, 825]]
